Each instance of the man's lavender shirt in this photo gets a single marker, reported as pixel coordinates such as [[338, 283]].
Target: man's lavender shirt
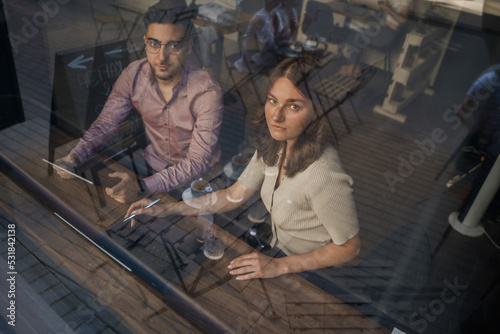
[[183, 133]]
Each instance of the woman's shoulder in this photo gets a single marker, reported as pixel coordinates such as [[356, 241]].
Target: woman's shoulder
[[327, 168], [329, 159]]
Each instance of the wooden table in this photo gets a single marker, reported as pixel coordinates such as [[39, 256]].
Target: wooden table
[[198, 289]]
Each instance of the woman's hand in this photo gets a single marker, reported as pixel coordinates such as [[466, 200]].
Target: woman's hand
[[138, 208], [255, 265]]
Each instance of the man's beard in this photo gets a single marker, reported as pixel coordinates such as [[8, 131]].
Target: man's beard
[[161, 76], [169, 74]]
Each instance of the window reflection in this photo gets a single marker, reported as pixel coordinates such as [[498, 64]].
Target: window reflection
[[413, 121]]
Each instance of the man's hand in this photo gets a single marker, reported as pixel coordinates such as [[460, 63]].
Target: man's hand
[[69, 162], [126, 190], [255, 265]]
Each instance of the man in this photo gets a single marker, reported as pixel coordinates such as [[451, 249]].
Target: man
[[259, 41], [181, 107]]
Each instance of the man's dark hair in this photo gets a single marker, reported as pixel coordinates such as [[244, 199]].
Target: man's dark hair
[[172, 12]]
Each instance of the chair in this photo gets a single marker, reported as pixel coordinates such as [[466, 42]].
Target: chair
[[238, 83], [116, 21], [337, 89], [395, 46]]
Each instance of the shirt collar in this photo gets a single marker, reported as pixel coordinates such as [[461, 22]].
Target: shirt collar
[[185, 72]]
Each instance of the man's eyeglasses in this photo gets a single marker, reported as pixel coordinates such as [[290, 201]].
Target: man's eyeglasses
[[173, 48]]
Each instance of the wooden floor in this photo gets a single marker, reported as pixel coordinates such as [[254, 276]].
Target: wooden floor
[[77, 288]]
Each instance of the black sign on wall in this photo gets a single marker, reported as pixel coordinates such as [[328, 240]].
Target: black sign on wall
[[10, 100], [83, 80]]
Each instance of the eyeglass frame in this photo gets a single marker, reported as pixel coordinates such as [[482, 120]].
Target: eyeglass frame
[[182, 44]]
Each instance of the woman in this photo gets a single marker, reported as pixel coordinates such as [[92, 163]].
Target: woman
[[301, 182]]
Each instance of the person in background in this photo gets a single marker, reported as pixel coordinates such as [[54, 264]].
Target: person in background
[[181, 107], [258, 49], [479, 112], [301, 181], [482, 102], [285, 22]]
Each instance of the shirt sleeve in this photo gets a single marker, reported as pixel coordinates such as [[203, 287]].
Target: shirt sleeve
[[259, 38], [253, 175], [203, 149], [114, 113], [484, 86], [330, 196], [265, 36]]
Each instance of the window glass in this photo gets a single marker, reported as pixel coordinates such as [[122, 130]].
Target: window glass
[[306, 165]]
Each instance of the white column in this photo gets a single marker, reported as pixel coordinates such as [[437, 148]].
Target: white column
[[470, 225]]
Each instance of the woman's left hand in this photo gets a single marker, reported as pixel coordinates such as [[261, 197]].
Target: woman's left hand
[[255, 265]]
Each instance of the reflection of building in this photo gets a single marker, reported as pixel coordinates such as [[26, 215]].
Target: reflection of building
[[83, 289]]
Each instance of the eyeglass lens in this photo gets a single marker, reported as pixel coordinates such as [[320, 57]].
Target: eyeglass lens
[[171, 48]]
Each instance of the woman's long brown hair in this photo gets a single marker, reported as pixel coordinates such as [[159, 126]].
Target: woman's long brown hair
[[309, 145]]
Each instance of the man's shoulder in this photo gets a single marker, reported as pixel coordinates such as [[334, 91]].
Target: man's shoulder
[[133, 75], [200, 79], [138, 66]]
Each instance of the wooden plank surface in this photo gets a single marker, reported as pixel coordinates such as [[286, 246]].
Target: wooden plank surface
[[257, 305]]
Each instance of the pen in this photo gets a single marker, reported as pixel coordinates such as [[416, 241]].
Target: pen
[[67, 171], [147, 206]]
